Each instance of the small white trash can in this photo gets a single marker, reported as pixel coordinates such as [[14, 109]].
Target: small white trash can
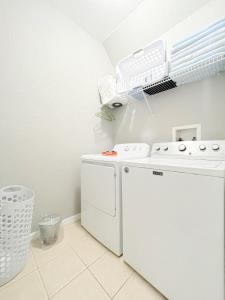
[[49, 227], [16, 210]]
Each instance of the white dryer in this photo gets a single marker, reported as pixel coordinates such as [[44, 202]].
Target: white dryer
[[101, 207], [173, 218]]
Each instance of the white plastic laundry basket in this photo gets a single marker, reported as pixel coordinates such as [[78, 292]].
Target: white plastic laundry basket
[[16, 209], [142, 68]]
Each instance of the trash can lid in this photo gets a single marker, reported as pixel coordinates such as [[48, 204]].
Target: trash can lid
[[50, 220]]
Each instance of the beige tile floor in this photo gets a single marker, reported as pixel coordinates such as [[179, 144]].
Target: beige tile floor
[[77, 268]]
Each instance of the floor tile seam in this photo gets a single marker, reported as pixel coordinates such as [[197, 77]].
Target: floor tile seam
[[86, 264], [43, 283], [39, 270], [74, 277], [122, 286], [75, 252], [50, 260], [97, 259], [101, 285], [129, 277]]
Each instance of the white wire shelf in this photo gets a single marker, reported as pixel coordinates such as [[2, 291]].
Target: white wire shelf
[[207, 68], [200, 71]]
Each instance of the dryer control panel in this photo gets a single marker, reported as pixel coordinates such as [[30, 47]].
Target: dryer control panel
[[132, 150], [212, 150]]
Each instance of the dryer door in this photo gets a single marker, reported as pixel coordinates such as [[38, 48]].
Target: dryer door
[[98, 187]]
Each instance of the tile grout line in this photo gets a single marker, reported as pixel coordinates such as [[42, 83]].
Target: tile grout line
[[85, 268], [50, 259], [43, 283], [97, 259], [124, 283], [96, 279], [74, 251], [60, 289], [122, 286], [42, 279], [39, 272], [88, 265]]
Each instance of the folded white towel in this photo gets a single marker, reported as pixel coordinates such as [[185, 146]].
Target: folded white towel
[[216, 52], [175, 73], [198, 35], [204, 50], [211, 38]]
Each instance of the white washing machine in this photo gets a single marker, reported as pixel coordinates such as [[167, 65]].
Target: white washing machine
[[173, 218], [101, 205]]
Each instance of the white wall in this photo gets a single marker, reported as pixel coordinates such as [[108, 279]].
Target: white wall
[[146, 23], [200, 102], [48, 97]]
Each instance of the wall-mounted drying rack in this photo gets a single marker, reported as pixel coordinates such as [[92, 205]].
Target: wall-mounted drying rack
[[194, 58], [208, 68]]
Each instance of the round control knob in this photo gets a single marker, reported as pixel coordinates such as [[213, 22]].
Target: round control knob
[[157, 148], [182, 147], [126, 170], [202, 147], [165, 148], [215, 147]]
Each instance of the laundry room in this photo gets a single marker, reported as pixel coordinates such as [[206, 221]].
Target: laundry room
[[112, 126]]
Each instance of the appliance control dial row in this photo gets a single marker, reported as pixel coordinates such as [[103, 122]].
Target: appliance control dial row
[[182, 147], [165, 148], [157, 148]]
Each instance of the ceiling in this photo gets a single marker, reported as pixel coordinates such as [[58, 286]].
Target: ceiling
[[98, 17]]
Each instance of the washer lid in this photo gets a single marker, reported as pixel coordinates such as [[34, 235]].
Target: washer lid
[[194, 166]]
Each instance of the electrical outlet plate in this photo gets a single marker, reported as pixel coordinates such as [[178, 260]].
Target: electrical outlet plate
[[187, 133]]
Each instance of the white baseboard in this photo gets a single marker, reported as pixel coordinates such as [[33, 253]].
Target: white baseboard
[[35, 234], [71, 219]]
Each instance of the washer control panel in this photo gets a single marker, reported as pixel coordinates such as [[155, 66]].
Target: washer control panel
[[199, 149]]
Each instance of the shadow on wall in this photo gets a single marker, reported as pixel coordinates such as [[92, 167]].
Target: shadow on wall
[[199, 102], [134, 120], [103, 131], [77, 199]]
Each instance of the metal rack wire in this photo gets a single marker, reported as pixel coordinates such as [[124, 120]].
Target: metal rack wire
[[207, 68]]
